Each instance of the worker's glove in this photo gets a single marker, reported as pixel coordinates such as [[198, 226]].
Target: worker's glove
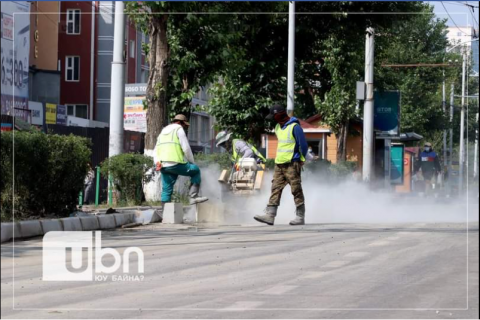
[[259, 161], [158, 166]]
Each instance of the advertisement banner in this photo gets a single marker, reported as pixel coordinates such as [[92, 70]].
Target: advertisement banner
[[397, 163], [135, 117], [387, 113], [15, 49], [36, 109], [62, 115], [51, 113]]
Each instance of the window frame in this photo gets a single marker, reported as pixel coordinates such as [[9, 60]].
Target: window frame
[[68, 21], [75, 105], [67, 68]]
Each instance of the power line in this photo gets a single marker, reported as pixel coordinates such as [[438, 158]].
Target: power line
[[453, 20]]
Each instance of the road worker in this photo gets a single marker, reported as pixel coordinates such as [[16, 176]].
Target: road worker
[[240, 149], [174, 158], [291, 151]]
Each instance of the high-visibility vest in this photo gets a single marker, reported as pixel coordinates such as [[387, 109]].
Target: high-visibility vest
[[286, 144], [169, 148]]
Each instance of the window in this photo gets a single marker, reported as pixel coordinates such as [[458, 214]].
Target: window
[[193, 129], [205, 129], [73, 21], [72, 68], [77, 110], [132, 49]]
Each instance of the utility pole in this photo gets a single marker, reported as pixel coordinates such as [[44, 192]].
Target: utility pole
[[475, 157], [117, 83], [291, 58], [451, 129], [444, 106], [368, 108], [462, 126]]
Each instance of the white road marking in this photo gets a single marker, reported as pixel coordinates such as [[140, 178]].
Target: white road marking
[[278, 290], [356, 254], [335, 264], [313, 275], [379, 243], [242, 306]]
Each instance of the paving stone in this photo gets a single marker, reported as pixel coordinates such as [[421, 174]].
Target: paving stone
[[173, 213]]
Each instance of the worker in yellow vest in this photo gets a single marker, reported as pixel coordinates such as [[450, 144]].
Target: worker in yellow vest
[[174, 157], [291, 151], [240, 148]]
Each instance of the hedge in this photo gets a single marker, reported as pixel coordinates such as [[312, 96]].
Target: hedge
[[48, 172], [129, 171]]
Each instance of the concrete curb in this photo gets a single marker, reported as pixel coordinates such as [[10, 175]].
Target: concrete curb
[[34, 228], [30, 228], [106, 221], [71, 224], [51, 225], [173, 213], [89, 223]]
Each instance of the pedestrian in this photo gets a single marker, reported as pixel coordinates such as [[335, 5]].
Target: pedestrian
[[291, 150], [239, 148], [174, 157], [429, 164], [311, 156]]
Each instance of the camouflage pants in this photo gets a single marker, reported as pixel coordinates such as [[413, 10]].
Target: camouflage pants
[[288, 173]]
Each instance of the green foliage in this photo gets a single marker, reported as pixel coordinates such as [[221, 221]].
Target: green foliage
[[129, 172], [342, 169], [48, 172], [221, 159]]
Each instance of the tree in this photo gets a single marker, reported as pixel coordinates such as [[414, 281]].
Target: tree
[[183, 55]]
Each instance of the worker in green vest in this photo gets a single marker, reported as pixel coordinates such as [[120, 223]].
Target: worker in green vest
[[240, 149], [174, 157], [291, 151]]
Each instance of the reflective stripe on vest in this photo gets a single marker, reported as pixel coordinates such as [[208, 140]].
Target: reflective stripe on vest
[[286, 144], [169, 148]]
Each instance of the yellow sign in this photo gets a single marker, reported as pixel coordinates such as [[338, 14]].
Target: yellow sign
[[51, 111], [134, 104]]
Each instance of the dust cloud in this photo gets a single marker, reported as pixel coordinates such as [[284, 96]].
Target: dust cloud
[[342, 202]]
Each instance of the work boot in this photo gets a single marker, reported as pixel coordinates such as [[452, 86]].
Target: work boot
[[269, 216], [300, 218], [194, 197]]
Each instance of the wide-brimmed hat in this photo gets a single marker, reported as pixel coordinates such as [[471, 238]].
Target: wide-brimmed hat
[[222, 137], [181, 117]]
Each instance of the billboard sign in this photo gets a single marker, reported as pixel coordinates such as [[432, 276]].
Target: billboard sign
[[36, 109], [135, 116], [397, 163], [51, 113], [15, 50], [62, 115], [387, 113]]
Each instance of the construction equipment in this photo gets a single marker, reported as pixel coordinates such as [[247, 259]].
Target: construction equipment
[[245, 178]]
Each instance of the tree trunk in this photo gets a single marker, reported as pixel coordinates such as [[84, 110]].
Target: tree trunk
[[157, 80], [342, 142]]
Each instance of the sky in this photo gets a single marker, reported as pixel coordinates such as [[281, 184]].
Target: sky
[[460, 13]]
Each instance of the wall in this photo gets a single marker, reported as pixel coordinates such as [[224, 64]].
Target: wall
[[76, 45], [44, 86], [45, 26]]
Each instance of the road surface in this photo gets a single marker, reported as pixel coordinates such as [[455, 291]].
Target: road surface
[[416, 270]]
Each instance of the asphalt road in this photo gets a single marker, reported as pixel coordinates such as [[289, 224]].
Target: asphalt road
[[417, 270]]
